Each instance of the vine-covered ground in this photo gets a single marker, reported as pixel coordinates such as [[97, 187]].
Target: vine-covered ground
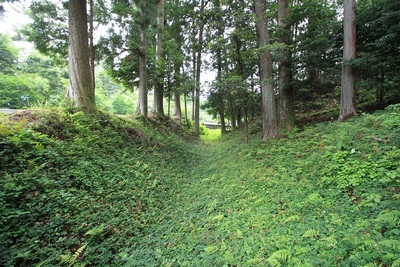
[[110, 192]]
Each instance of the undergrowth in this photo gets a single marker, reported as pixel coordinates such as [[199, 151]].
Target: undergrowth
[[76, 190], [102, 191]]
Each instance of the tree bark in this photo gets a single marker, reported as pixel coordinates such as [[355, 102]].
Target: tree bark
[[186, 111], [177, 106], [91, 44], [220, 34], [286, 97], [142, 101], [177, 95], [347, 100], [78, 52], [222, 112], [270, 125], [158, 106], [198, 72]]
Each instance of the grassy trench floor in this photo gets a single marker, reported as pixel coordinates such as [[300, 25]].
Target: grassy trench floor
[[325, 196]]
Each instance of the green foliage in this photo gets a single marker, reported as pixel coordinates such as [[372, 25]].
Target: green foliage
[[48, 29], [378, 38], [56, 76], [70, 259], [35, 80], [22, 90], [8, 55], [77, 190], [100, 190]]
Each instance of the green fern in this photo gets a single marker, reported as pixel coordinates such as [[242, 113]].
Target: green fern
[[396, 263], [273, 262], [331, 240], [279, 256], [389, 218], [301, 250], [371, 264], [335, 218], [390, 243], [71, 259], [312, 233], [96, 231], [292, 218], [370, 243], [211, 250]]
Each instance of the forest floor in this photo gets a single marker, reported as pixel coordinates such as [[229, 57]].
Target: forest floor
[[111, 192], [311, 199]]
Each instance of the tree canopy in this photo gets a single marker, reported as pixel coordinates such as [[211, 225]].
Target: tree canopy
[[167, 60]]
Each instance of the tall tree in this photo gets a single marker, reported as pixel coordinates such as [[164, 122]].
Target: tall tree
[[142, 101], [78, 51], [270, 124], [91, 44], [285, 76], [347, 100], [199, 50], [220, 38], [158, 108]]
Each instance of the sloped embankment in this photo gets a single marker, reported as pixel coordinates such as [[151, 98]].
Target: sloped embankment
[[78, 190], [325, 196]]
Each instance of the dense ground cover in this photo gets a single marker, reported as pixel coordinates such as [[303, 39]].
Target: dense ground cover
[[78, 190], [111, 192]]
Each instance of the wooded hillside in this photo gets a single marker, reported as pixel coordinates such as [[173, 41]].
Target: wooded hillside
[[281, 60]]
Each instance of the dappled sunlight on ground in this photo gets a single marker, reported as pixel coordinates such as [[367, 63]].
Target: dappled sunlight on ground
[[211, 135]]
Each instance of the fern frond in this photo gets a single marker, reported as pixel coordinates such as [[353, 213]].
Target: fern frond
[[301, 250], [79, 251], [312, 233], [282, 255], [66, 259], [273, 262], [396, 263], [391, 218], [95, 231], [390, 243], [292, 218], [370, 243], [211, 250], [331, 240], [371, 264], [70, 259]]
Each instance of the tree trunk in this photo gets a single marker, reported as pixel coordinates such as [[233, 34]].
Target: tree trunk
[[222, 112], [347, 101], [381, 87], [270, 125], [231, 111], [186, 112], [220, 34], [194, 62], [142, 101], [158, 106], [198, 72], [246, 126], [177, 106], [91, 45], [142, 106], [78, 50], [286, 96], [239, 117]]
